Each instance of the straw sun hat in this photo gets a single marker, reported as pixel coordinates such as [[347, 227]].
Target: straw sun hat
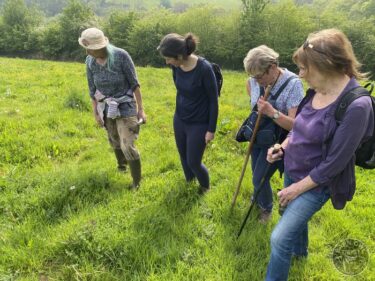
[[93, 39]]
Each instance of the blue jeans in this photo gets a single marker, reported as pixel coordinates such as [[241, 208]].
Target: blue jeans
[[290, 236], [259, 166]]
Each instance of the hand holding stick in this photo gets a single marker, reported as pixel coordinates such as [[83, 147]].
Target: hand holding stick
[[275, 149], [273, 156]]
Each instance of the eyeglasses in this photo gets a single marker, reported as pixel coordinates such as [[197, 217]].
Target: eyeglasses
[[307, 44], [260, 76]]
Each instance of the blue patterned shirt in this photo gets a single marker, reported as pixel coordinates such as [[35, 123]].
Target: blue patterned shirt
[[290, 97], [115, 82]]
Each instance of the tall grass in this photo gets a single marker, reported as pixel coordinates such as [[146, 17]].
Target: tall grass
[[67, 214]]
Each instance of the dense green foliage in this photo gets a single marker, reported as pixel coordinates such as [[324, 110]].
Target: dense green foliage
[[66, 213], [225, 34], [103, 7]]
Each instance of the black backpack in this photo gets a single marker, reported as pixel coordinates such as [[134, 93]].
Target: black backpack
[[365, 153], [218, 75]]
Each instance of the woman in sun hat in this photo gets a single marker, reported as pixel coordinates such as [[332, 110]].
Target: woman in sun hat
[[116, 97]]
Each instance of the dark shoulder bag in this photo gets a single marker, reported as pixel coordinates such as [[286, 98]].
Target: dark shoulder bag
[[269, 132]]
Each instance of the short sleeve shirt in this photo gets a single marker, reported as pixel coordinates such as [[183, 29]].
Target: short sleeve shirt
[[290, 97]]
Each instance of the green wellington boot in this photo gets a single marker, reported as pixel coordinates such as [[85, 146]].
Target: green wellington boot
[[135, 170], [121, 160]]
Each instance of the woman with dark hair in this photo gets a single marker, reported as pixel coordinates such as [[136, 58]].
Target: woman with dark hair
[[319, 152], [196, 104], [116, 97]]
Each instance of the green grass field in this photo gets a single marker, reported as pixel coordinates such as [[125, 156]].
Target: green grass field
[[67, 214]]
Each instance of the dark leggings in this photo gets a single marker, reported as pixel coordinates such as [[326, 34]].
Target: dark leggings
[[190, 141]]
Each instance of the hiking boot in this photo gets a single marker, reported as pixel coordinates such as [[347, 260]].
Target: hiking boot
[[134, 186], [202, 190], [265, 216], [121, 169]]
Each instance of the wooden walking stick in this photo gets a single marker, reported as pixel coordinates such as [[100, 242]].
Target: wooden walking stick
[[276, 149], [250, 147]]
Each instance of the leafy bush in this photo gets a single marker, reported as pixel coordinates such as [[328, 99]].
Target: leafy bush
[[146, 35], [74, 19], [119, 26], [225, 36], [52, 44]]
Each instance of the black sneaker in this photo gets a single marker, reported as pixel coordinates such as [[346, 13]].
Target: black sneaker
[[265, 216], [202, 190]]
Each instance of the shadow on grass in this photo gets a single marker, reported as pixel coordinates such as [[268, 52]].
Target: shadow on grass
[[165, 228], [250, 252], [61, 195], [69, 196], [156, 238]]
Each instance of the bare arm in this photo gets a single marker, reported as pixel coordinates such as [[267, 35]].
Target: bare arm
[[99, 121], [140, 111], [284, 121]]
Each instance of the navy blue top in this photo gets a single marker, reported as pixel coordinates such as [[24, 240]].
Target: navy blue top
[[197, 94]]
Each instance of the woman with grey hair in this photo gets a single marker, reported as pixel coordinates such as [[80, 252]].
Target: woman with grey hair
[[262, 64], [116, 97]]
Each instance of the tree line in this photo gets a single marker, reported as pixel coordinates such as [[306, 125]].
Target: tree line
[[225, 36], [103, 7]]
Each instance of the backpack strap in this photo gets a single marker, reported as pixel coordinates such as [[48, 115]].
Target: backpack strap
[[347, 99], [309, 95], [369, 87], [261, 94], [282, 87], [261, 91], [275, 96]]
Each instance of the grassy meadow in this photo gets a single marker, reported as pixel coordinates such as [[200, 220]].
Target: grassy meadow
[[67, 214]]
